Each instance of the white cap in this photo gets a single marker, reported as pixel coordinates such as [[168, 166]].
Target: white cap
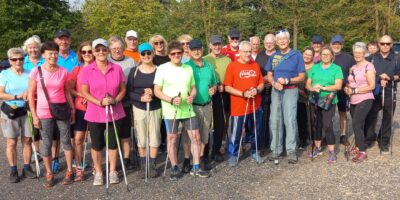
[[99, 41], [132, 33]]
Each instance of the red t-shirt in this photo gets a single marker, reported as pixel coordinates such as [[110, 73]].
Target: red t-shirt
[[232, 54], [74, 77], [243, 77]]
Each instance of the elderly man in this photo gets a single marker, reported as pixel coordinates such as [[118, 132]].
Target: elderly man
[[255, 46], [232, 48], [132, 42], [387, 68], [285, 69], [244, 82]]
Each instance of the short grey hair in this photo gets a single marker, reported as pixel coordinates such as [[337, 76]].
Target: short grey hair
[[114, 39], [282, 33], [360, 45], [15, 51], [254, 38], [31, 40], [244, 43], [269, 36]]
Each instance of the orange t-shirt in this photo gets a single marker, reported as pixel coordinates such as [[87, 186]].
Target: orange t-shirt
[[74, 76], [243, 77], [132, 54]]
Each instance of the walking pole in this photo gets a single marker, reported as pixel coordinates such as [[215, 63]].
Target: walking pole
[[173, 126], [346, 145], [242, 131], [30, 122], [391, 124], [147, 141], [380, 132], [84, 151], [107, 156], [119, 146], [255, 132], [276, 161], [310, 135]]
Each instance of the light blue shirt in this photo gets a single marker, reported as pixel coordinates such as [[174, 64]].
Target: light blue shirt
[[14, 84], [28, 65], [69, 62]]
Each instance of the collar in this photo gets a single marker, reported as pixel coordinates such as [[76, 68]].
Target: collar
[[93, 66], [71, 54], [390, 57]]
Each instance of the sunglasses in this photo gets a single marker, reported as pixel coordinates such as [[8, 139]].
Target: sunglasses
[[15, 59], [159, 43], [176, 53], [86, 52], [146, 53], [234, 38], [104, 50], [385, 43], [185, 43]]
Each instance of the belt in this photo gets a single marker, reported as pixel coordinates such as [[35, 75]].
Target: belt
[[204, 104], [289, 87]]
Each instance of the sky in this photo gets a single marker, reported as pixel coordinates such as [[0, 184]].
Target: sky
[[77, 4]]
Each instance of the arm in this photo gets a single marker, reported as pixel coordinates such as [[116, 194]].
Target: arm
[[89, 97], [32, 103], [70, 102], [371, 83], [298, 79], [333, 88], [159, 94], [275, 84], [5, 97], [121, 93]]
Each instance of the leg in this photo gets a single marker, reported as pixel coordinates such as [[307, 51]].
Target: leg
[[11, 151], [289, 107], [358, 114], [235, 132], [65, 139], [79, 137], [26, 149], [371, 120], [47, 132], [276, 123]]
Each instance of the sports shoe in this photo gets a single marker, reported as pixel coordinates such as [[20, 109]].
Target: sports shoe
[[13, 178], [200, 173], [360, 156], [385, 150], [98, 179], [292, 158], [232, 161], [186, 167], [256, 157], [55, 165], [175, 173], [28, 173], [218, 158], [354, 151], [316, 152], [68, 178], [128, 164], [204, 164], [332, 157], [343, 140], [114, 179], [153, 172], [49, 181], [78, 175]]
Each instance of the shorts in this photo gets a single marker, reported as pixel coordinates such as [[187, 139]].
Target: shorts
[[342, 101], [56, 133], [98, 136], [37, 135], [204, 115], [126, 124], [80, 122], [140, 121], [47, 131], [12, 128], [188, 124]]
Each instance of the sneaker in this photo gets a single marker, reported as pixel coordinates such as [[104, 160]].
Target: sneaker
[[28, 173], [332, 157], [218, 158], [13, 178], [316, 152], [385, 150], [292, 158], [204, 164], [343, 140], [114, 179], [232, 161], [49, 181], [354, 151], [360, 157], [128, 164], [186, 167], [78, 175], [175, 173], [256, 157], [68, 178], [98, 179], [55, 165], [273, 157], [153, 172], [200, 173]]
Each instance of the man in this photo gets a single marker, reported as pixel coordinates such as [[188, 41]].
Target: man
[[255, 46], [261, 59], [316, 43], [206, 81], [345, 61], [116, 46], [244, 82], [387, 68], [220, 101], [132, 42], [177, 93], [232, 48], [285, 69]]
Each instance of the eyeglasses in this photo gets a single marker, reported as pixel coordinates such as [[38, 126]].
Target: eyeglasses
[[104, 50], [86, 52], [184, 43], [178, 53], [159, 43], [385, 43], [234, 38], [15, 59], [146, 53], [281, 31]]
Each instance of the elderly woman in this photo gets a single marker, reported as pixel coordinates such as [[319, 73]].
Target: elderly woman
[[103, 84], [33, 57], [85, 57], [140, 87], [324, 80], [184, 40], [49, 83], [14, 121], [361, 83], [116, 46], [285, 70], [158, 42]]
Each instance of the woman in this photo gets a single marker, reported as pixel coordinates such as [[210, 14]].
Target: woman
[[302, 121], [33, 57], [361, 83], [159, 43], [85, 57], [184, 40], [324, 80], [140, 87], [103, 84], [14, 93], [51, 79]]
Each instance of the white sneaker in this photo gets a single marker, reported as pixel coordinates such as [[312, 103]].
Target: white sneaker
[[98, 179], [114, 179]]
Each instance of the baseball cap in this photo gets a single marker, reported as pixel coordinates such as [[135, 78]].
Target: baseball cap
[[234, 33], [62, 32], [337, 38], [216, 39], [317, 39], [145, 47], [195, 44], [132, 33], [99, 41]]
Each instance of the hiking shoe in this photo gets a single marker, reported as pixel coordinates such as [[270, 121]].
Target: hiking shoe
[[28, 173], [332, 157], [153, 172], [385, 150], [200, 173], [292, 158], [128, 164], [232, 161], [316, 152], [256, 157], [13, 178], [55, 166], [204, 164], [68, 178], [186, 167], [273, 156], [343, 140], [98, 179], [354, 151], [114, 179], [360, 156], [78, 175], [175, 173], [218, 158], [49, 181]]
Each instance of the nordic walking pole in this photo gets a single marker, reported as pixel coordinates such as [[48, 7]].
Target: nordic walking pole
[[84, 151], [276, 161], [346, 145], [255, 130], [383, 105], [30, 121], [173, 126], [391, 124], [107, 156], [310, 135], [242, 131], [147, 141]]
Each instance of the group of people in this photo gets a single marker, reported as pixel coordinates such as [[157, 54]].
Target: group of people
[[277, 100]]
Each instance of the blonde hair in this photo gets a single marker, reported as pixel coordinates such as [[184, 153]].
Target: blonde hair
[[31, 40], [185, 37], [154, 38]]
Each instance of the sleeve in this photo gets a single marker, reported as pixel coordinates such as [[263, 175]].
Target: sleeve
[[260, 75], [83, 78], [159, 79], [309, 72], [228, 76], [192, 81], [3, 80], [371, 67], [300, 63], [397, 67], [214, 79], [34, 73], [339, 74], [74, 74], [268, 66]]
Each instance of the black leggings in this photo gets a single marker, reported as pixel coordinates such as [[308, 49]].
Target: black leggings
[[324, 122], [98, 138], [359, 114]]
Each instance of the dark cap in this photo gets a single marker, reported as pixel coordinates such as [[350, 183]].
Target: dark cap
[[337, 38], [195, 44], [317, 39], [234, 33], [62, 32], [216, 39]]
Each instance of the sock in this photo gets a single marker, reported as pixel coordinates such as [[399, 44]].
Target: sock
[[196, 166], [143, 161], [27, 166], [187, 160], [13, 168]]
